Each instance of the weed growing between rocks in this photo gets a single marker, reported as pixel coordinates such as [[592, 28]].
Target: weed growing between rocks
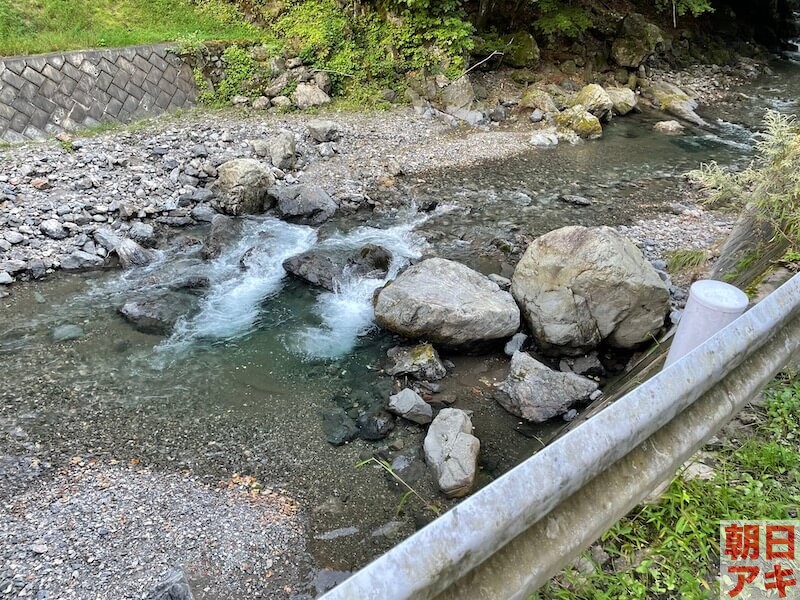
[[670, 548]]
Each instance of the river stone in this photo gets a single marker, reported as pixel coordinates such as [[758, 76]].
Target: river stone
[[80, 260], [338, 427], [53, 228], [132, 254], [545, 138], [623, 99], [107, 238], [241, 187], [421, 362], [538, 99], [224, 231], [673, 100], [580, 286], [13, 237], [173, 586], [451, 452], [580, 121], [515, 344], [282, 150], [458, 95], [315, 267], [322, 130], [65, 333], [373, 427], [669, 128], [537, 393], [5, 278], [305, 203], [143, 233], [595, 99], [307, 95], [410, 405], [636, 41], [446, 303]]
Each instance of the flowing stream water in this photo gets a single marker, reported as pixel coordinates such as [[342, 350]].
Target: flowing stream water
[[240, 384]]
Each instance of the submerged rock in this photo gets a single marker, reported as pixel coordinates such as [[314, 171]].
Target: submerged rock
[[410, 405], [421, 362], [669, 128], [375, 426], [158, 315], [537, 393], [242, 187], [447, 303], [579, 286], [66, 333], [451, 452], [338, 427]]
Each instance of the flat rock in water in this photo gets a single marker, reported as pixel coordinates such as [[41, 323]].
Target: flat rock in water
[[451, 452], [537, 393]]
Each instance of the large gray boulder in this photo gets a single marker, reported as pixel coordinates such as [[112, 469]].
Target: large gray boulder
[[636, 41], [451, 452], [673, 100], [446, 303], [305, 203], [241, 187], [323, 130], [327, 269], [537, 393], [580, 286]]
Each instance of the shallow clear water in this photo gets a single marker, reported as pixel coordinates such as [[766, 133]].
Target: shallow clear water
[[241, 384]]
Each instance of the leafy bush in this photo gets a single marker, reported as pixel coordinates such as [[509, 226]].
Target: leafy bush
[[769, 183], [683, 7], [558, 18]]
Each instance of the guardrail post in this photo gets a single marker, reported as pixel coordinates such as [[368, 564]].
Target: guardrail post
[[712, 305]]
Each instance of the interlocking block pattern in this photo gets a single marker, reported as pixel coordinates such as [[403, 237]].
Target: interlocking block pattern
[[41, 96]]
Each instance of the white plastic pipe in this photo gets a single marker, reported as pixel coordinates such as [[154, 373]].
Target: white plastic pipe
[[712, 305]]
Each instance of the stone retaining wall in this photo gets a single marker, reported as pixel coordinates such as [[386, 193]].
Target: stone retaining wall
[[47, 94]]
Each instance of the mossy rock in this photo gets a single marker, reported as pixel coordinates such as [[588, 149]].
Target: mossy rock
[[521, 49], [523, 76], [637, 40], [580, 121], [535, 97]]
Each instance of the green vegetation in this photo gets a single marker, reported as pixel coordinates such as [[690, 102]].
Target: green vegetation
[[681, 261], [434, 507], [769, 183], [670, 549], [33, 26]]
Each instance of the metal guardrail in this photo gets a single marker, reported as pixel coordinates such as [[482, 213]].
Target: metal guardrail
[[509, 538]]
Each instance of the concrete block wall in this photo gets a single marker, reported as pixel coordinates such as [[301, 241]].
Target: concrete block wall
[[43, 95]]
